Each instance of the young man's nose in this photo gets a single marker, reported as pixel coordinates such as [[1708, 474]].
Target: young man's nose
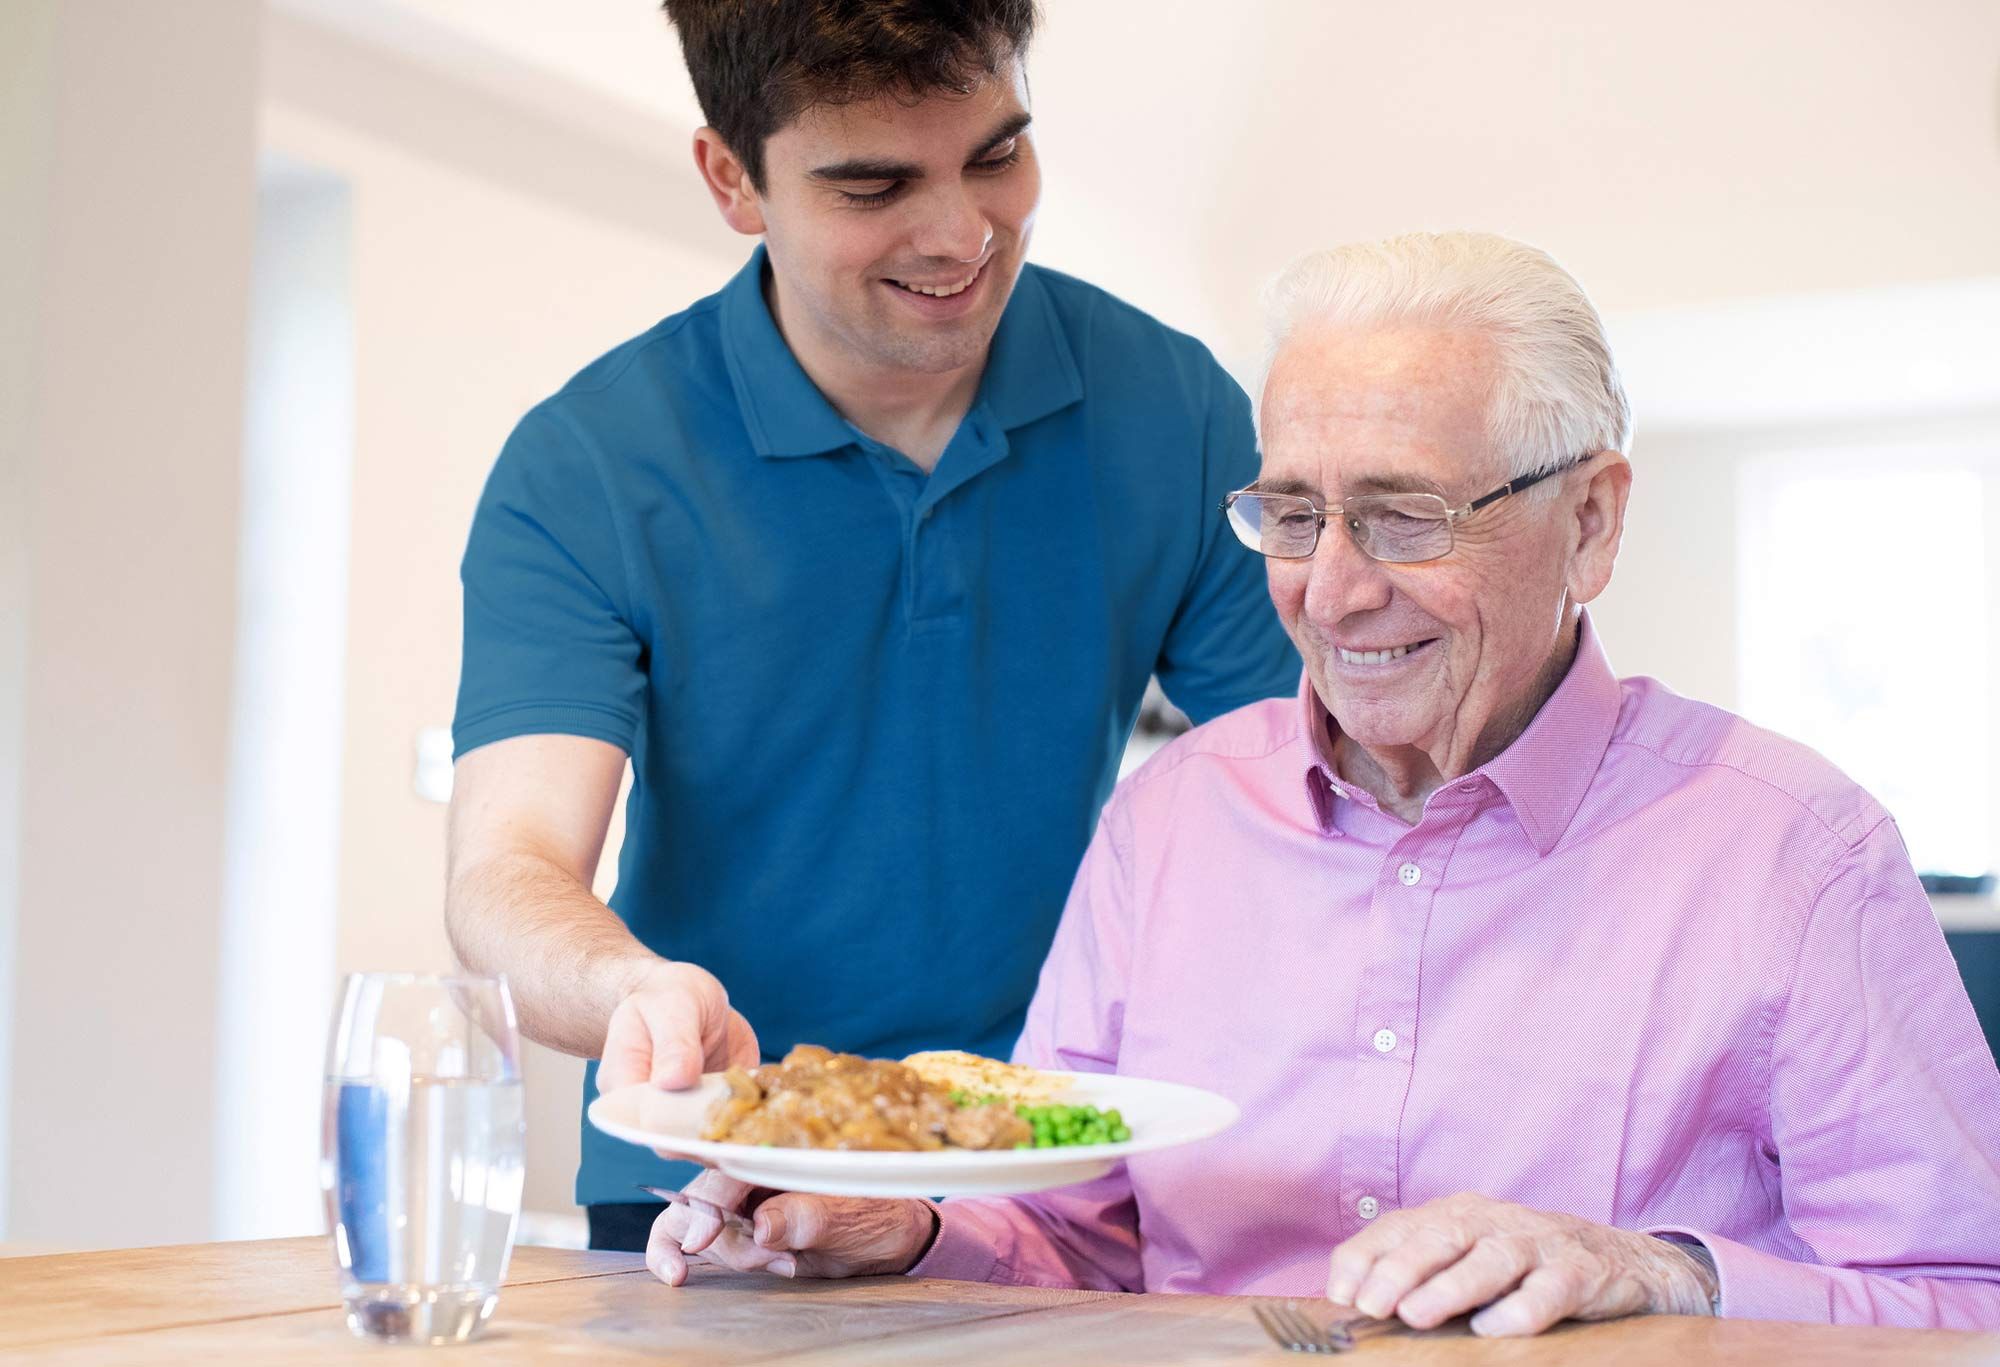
[[953, 228]]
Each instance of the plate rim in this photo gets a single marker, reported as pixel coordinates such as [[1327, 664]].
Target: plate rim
[[859, 1161]]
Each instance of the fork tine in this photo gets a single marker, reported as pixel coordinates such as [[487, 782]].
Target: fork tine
[[1324, 1338], [1296, 1331], [1317, 1334], [1336, 1337], [1305, 1336], [1269, 1323], [1288, 1329]]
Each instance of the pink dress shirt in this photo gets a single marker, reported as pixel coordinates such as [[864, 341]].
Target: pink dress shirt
[[1651, 965]]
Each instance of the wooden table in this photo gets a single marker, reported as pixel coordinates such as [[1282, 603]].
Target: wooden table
[[275, 1302]]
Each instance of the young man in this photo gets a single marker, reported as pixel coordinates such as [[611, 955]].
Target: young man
[[864, 562]]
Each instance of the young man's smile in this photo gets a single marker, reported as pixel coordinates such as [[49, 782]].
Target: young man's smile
[[942, 300]]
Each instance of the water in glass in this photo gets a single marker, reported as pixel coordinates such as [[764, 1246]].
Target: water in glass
[[422, 1158]]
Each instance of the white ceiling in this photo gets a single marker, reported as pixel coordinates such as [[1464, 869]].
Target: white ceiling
[[1673, 156]]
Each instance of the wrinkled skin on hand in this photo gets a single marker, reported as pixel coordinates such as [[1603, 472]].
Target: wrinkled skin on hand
[[1529, 1268], [794, 1234]]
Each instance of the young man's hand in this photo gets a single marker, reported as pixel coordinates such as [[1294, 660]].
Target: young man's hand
[[674, 1025]]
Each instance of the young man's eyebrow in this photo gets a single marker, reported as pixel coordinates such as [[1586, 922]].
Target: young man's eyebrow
[[865, 168], [861, 168], [1012, 128]]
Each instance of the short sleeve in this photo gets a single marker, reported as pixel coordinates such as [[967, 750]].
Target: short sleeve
[[550, 644], [1226, 648]]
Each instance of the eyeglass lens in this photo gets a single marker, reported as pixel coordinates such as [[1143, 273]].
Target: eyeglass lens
[[1399, 528]]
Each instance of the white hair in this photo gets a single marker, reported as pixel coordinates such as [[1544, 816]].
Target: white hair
[[1558, 395]]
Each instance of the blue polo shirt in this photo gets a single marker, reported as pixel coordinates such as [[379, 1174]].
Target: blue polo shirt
[[872, 713]]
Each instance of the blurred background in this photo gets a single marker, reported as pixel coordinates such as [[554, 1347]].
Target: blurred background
[[278, 276]]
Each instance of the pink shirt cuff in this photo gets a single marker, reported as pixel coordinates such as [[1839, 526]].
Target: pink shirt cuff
[[960, 1253], [1760, 1286]]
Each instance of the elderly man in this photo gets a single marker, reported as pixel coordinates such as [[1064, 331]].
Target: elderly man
[[1544, 994]]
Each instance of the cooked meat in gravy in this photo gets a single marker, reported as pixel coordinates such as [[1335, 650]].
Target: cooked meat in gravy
[[817, 1099], [987, 1127]]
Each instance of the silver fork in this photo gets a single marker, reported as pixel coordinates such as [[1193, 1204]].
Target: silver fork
[[1296, 1332]]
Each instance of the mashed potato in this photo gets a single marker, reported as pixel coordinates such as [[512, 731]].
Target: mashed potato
[[976, 1076]]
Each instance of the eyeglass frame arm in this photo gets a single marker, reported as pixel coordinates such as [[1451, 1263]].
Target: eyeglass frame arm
[[1512, 486]]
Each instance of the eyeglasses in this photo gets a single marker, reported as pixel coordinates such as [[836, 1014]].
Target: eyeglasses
[[1399, 529]]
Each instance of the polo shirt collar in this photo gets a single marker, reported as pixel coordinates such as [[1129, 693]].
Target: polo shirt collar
[[1543, 775], [1030, 370], [783, 410]]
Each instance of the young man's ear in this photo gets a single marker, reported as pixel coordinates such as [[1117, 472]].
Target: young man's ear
[[722, 172]]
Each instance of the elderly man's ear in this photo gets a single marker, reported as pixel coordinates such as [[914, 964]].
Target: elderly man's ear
[[1598, 524]]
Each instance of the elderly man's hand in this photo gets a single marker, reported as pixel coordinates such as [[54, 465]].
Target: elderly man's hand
[[1529, 1268], [794, 1234]]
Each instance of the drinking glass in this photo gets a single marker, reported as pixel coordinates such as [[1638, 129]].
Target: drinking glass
[[421, 1151]]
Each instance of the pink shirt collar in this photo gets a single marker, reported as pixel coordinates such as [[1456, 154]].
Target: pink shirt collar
[[1543, 775]]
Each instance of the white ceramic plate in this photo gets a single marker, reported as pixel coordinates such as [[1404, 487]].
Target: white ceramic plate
[[1161, 1115]]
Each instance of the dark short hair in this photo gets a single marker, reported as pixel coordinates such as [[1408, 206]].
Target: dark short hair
[[759, 64]]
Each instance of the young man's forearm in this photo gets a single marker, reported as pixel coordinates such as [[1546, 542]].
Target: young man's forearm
[[568, 958]]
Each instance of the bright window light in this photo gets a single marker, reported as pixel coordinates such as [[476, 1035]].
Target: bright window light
[[1865, 634]]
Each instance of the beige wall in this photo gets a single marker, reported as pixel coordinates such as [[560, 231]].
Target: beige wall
[[1671, 609], [1718, 388], [1670, 154], [124, 572], [27, 37]]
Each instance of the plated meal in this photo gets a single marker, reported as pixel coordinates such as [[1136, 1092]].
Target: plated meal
[[817, 1099], [933, 1124]]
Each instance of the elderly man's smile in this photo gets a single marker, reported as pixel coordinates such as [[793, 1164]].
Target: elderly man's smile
[[1377, 656]]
